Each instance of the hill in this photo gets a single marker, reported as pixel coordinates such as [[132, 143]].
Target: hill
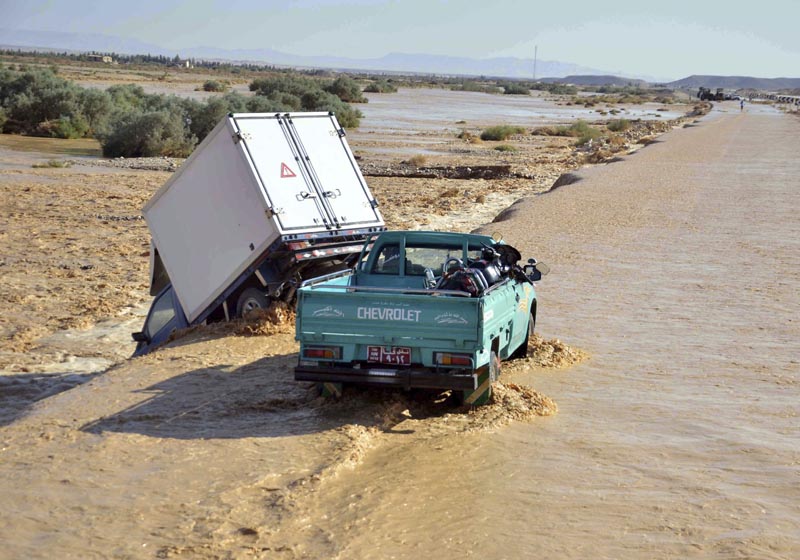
[[735, 82]]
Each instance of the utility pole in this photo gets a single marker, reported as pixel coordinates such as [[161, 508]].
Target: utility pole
[[535, 56]]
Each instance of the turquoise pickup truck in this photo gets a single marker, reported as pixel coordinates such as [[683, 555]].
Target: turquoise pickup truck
[[432, 310]]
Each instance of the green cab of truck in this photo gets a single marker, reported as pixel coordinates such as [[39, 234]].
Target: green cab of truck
[[422, 309]]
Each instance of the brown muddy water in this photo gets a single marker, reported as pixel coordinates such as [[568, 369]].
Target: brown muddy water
[[677, 270]]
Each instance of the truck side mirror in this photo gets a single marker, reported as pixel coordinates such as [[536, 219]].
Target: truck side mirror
[[535, 270], [140, 337], [531, 272]]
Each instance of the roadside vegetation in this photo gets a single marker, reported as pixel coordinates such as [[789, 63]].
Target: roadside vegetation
[[515, 89], [501, 132], [506, 148], [579, 129], [381, 86], [214, 85], [131, 123], [618, 125], [468, 137]]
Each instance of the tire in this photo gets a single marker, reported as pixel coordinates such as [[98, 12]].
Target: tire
[[250, 299], [494, 368], [522, 351]]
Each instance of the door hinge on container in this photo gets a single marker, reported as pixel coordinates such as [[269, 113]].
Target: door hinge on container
[[241, 136]]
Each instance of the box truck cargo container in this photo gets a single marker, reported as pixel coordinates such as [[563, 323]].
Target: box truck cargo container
[[264, 202]]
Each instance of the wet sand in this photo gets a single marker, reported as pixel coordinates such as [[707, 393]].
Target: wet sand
[[675, 269]]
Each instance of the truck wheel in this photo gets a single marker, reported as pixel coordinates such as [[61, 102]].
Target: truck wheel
[[522, 351], [483, 394], [251, 298]]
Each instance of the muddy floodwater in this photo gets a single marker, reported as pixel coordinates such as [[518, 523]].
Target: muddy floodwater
[[665, 425]]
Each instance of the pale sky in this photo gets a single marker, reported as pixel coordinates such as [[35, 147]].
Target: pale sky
[[669, 39]]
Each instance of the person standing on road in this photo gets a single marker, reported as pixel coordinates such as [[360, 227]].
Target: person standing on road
[[741, 104]]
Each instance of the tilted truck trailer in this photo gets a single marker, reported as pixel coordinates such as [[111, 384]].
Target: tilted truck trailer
[[430, 310], [265, 202]]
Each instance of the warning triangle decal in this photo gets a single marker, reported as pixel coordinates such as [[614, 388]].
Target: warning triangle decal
[[286, 172]]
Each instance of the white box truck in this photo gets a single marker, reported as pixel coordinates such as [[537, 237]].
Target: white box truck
[[264, 202]]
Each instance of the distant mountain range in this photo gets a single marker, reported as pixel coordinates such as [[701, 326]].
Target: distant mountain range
[[736, 82], [507, 67]]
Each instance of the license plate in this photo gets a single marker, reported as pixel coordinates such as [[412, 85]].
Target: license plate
[[395, 355]]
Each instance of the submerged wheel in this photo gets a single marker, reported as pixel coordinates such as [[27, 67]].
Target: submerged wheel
[[522, 351], [250, 299]]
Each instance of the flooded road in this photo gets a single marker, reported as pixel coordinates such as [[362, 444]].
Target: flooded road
[[679, 271], [676, 269], [424, 110]]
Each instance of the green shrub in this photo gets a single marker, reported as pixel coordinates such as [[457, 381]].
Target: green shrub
[[381, 86], [323, 101], [506, 148], [204, 117], [158, 133], [618, 125], [97, 107], [579, 129], [126, 96], [33, 100], [346, 89], [469, 137], [74, 126], [515, 89], [285, 83], [214, 85], [476, 87], [296, 92], [418, 160], [501, 132], [545, 131]]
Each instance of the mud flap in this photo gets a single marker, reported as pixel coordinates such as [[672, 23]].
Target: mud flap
[[330, 390], [483, 393]]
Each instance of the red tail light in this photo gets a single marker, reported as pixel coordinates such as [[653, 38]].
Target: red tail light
[[322, 352], [448, 359]]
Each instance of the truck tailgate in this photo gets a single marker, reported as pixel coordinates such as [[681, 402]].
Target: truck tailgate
[[419, 320]]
